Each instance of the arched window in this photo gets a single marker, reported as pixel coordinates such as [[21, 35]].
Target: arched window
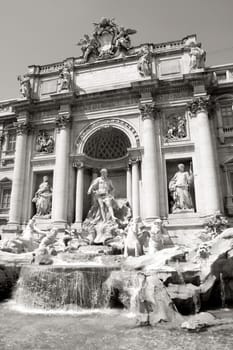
[[107, 143]]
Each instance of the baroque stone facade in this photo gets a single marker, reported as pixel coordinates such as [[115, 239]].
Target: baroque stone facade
[[140, 112]]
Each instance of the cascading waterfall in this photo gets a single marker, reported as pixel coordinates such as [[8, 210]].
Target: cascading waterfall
[[54, 287], [222, 290]]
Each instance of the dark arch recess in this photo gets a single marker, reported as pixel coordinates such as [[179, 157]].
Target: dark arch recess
[[107, 143]]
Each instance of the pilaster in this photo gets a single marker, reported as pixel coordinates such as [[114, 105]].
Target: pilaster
[[79, 192], [208, 199], [61, 172], [17, 194], [134, 162], [150, 162]]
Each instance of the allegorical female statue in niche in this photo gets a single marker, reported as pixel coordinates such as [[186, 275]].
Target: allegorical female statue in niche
[[43, 198], [179, 187]]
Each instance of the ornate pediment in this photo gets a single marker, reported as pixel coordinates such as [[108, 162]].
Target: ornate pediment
[[107, 41]]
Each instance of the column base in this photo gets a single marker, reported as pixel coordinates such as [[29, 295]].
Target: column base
[[77, 225], [151, 219], [60, 225], [11, 230]]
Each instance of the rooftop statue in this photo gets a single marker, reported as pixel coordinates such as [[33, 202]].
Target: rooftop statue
[[108, 40], [64, 81], [25, 86], [197, 56], [89, 47], [144, 63]]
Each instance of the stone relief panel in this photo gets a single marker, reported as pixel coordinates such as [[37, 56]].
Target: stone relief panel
[[45, 142], [175, 127], [48, 86], [169, 67]]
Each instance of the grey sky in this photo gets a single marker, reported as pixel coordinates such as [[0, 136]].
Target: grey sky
[[46, 31]]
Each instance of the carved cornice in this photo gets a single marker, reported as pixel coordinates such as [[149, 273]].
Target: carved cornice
[[148, 110], [198, 105]]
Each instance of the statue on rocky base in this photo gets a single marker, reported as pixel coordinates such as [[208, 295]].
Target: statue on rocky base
[[132, 245], [103, 190], [156, 238], [25, 242]]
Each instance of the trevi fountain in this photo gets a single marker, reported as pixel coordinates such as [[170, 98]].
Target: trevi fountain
[[112, 224]]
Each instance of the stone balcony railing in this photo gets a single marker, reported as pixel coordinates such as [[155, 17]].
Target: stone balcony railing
[[51, 68], [225, 76], [228, 131]]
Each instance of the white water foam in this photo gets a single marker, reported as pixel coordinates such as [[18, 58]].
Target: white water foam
[[13, 306]]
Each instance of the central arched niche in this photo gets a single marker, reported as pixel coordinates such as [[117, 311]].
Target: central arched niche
[[107, 143], [107, 148]]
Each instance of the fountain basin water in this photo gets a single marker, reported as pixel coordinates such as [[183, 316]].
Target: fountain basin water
[[63, 287]]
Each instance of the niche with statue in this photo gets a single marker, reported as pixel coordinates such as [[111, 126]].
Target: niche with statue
[[180, 184]]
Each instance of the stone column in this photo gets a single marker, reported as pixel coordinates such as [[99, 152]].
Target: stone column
[[150, 162], [17, 192], [60, 183], [79, 192], [207, 189], [129, 185], [135, 188]]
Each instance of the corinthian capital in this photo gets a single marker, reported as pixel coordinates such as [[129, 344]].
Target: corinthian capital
[[147, 110], [198, 104], [63, 120], [23, 127]]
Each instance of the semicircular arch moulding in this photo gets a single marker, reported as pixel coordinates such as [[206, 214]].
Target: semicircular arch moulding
[[92, 128]]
